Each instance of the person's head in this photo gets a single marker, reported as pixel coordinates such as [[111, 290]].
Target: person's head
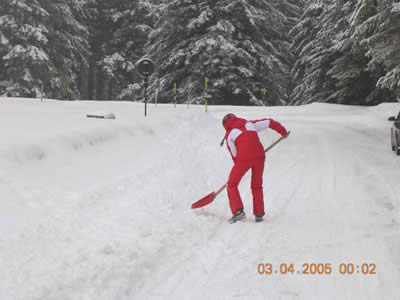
[[226, 118]]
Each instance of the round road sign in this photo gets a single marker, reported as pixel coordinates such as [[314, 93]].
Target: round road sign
[[145, 67]]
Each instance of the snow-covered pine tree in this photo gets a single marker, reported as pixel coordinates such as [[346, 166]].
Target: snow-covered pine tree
[[354, 82], [43, 44], [347, 71], [344, 47], [314, 45], [293, 10], [94, 81], [240, 46], [25, 65], [68, 46], [130, 23], [384, 47]]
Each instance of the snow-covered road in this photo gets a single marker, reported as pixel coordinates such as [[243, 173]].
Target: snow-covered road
[[100, 209]]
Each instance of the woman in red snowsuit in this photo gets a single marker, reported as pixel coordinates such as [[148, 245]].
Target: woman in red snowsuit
[[247, 153]]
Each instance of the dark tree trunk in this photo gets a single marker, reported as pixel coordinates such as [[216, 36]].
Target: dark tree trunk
[[92, 80]]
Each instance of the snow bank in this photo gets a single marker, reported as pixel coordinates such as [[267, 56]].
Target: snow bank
[[39, 130]]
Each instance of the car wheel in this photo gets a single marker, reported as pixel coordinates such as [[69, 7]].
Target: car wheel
[[392, 139], [397, 145]]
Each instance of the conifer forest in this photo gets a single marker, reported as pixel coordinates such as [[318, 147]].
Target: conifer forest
[[250, 52]]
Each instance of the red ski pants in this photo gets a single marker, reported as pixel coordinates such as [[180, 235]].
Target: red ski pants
[[239, 169]]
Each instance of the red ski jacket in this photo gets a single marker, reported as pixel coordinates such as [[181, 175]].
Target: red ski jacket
[[242, 137]]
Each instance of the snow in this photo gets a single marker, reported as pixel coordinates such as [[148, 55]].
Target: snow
[[224, 25], [391, 79], [37, 33], [27, 75], [3, 40], [315, 9], [34, 53], [22, 5], [245, 72], [100, 209], [361, 5], [110, 61], [396, 8], [203, 18], [128, 66]]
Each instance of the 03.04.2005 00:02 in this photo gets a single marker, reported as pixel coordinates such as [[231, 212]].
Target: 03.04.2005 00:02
[[318, 269]]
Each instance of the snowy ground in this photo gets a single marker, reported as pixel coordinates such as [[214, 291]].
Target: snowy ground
[[94, 209]]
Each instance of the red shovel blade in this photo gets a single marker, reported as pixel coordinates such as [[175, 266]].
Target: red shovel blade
[[204, 201]]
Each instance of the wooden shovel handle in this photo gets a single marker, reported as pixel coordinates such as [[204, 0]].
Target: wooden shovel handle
[[221, 189], [276, 142], [266, 150]]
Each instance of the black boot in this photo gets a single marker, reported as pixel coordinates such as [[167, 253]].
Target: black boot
[[260, 217], [239, 215]]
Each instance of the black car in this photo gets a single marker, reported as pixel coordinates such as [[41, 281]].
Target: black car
[[395, 135]]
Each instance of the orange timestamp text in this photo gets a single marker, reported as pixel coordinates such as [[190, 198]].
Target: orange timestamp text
[[317, 269]]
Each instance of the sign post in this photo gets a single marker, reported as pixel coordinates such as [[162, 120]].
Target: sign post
[[145, 69]]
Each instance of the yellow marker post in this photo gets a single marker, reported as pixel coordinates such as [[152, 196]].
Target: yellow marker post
[[205, 90], [265, 94], [41, 93], [174, 95]]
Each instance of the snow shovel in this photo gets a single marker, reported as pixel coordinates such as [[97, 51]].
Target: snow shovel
[[210, 197]]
